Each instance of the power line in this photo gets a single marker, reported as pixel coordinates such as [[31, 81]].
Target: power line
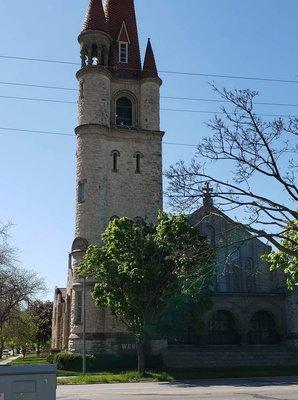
[[163, 97], [226, 101], [72, 135], [37, 99], [250, 78], [243, 77], [36, 132], [162, 109], [38, 86], [51, 133], [39, 60], [222, 113]]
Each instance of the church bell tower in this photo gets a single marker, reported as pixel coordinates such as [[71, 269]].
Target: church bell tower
[[119, 148]]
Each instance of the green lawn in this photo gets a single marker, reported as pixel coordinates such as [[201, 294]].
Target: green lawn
[[121, 377], [30, 359], [76, 378]]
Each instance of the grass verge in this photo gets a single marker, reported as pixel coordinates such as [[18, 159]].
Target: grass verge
[[30, 359], [121, 377]]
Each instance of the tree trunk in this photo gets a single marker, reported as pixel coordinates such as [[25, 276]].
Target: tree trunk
[[1, 347], [1, 343], [38, 348], [141, 357]]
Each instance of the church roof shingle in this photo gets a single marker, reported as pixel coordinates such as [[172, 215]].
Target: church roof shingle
[[95, 19], [117, 12], [149, 68]]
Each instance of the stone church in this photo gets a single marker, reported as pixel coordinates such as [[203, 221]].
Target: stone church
[[119, 173]]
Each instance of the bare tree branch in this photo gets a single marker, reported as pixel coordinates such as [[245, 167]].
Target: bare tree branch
[[251, 148]]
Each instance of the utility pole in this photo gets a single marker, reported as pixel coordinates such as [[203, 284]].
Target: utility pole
[[84, 326]]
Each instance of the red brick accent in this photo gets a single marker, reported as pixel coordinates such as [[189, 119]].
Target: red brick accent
[[118, 11], [149, 69], [95, 19]]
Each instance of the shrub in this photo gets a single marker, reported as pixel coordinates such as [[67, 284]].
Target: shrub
[[120, 362], [74, 362], [55, 351], [115, 362], [102, 362], [51, 358]]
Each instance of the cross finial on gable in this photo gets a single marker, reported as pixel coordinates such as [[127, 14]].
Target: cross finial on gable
[[207, 192]]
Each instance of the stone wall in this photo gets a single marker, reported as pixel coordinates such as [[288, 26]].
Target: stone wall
[[239, 265], [217, 357], [149, 108], [94, 106], [292, 317], [123, 192]]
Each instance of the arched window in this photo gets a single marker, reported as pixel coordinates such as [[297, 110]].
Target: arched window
[[138, 156], [115, 155], [80, 244], [250, 275], [209, 232], [94, 54], [124, 112], [233, 272], [263, 330], [222, 329]]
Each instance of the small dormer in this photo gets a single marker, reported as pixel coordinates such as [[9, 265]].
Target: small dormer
[[123, 45]]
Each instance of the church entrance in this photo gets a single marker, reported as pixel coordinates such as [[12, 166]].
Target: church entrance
[[263, 329], [223, 329]]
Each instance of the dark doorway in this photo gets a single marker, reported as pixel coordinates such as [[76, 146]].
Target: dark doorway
[[223, 329], [263, 329]]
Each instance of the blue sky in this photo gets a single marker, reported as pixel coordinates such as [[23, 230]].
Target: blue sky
[[37, 173]]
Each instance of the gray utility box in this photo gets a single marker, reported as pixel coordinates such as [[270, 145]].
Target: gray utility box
[[28, 382]]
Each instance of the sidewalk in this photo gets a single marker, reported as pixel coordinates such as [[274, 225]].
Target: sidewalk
[[9, 360]]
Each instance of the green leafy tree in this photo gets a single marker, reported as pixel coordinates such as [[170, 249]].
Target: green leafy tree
[[284, 261], [18, 286], [141, 268], [41, 313], [20, 331]]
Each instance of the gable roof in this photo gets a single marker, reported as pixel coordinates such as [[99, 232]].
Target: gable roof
[[117, 12]]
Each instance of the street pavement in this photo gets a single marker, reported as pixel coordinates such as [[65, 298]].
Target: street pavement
[[223, 389]]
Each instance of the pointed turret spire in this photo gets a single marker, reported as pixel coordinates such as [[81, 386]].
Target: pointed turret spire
[[122, 24], [149, 69], [95, 19]]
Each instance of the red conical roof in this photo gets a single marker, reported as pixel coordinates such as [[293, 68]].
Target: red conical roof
[[149, 69], [117, 12], [95, 19]]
